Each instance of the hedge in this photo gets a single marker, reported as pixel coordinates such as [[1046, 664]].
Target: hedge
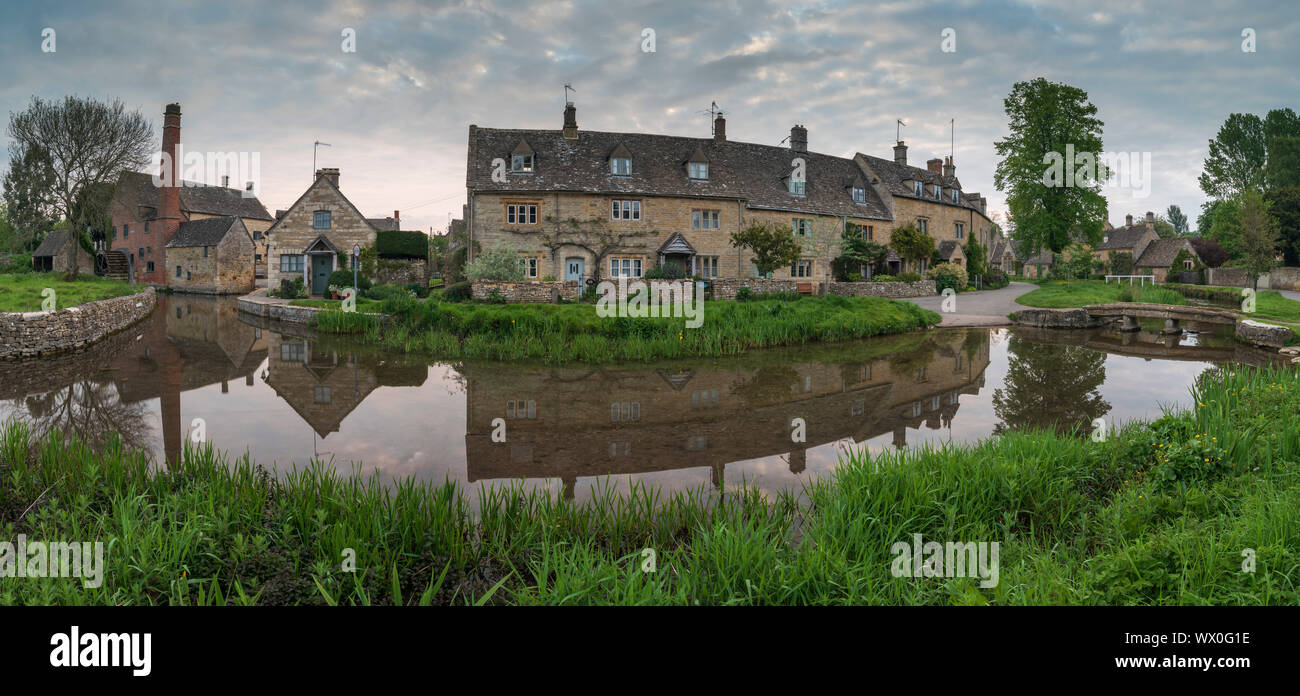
[[398, 244]]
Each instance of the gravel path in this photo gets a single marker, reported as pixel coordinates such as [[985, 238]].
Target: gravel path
[[982, 308]]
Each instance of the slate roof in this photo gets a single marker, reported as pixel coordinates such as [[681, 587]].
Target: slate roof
[[737, 171], [894, 175], [1160, 253], [195, 198], [1123, 237], [52, 244], [204, 232], [946, 248], [383, 223]]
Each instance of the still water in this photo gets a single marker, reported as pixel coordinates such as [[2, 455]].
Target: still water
[[288, 397]]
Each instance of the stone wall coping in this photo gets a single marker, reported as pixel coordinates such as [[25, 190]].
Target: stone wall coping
[[32, 334]]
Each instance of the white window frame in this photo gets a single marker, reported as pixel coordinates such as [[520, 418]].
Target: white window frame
[[959, 231], [923, 224], [802, 264], [797, 187], [698, 170], [297, 263], [521, 163], [620, 163], [859, 194], [625, 267], [521, 213], [938, 192], [532, 266], [708, 266], [704, 219], [802, 227], [918, 188], [625, 209]]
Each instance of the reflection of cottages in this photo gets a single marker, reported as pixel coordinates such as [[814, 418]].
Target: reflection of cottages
[[567, 423], [323, 385]]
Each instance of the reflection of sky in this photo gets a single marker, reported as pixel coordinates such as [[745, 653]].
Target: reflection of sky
[[419, 432]]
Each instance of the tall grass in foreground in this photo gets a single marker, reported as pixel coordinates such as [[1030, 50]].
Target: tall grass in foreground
[[1158, 514], [569, 333]]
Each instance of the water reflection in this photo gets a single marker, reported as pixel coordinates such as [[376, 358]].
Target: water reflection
[[1052, 387]]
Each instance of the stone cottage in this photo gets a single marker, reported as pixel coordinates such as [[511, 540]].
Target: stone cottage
[[52, 254], [1159, 257], [1130, 239], [307, 240], [211, 256]]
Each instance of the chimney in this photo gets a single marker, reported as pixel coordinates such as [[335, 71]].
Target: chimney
[[949, 169], [570, 121], [225, 181], [799, 139], [1128, 220], [900, 153], [169, 197], [331, 173], [397, 219], [719, 128], [1151, 218], [935, 165], [984, 205], [248, 187]]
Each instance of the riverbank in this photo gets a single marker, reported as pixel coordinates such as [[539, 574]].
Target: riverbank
[[575, 333], [1160, 513], [44, 333], [26, 292]]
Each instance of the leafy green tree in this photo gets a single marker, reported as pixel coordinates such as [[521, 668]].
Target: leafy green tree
[[976, 257], [1121, 263], [1176, 218], [1259, 235], [500, 261], [856, 253], [1236, 159], [1284, 204], [1225, 226], [1283, 167], [1051, 199], [1164, 228], [1051, 387], [773, 246], [912, 244], [1079, 261], [29, 196]]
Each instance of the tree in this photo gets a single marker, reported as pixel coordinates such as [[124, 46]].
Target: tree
[[1259, 236], [89, 144], [1051, 168], [912, 244], [1164, 228], [28, 196], [1236, 159], [1051, 387], [1178, 220], [857, 253], [1225, 226], [1210, 251], [1284, 204], [1205, 220], [1121, 263], [500, 261], [773, 245], [976, 257], [1283, 168]]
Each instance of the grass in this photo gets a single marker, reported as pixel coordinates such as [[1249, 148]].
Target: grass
[[1269, 304], [364, 304], [21, 292], [1078, 293], [574, 332], [1158, 514]]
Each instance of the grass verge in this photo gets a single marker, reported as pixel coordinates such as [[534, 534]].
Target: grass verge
[[21, 292], [1078, 293], [1159, 513]]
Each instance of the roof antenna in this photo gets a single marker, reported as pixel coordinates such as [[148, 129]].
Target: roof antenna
[[898, 133], [568, 88], [313, 156], [952, 136]]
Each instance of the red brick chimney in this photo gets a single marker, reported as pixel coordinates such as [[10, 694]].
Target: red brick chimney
[[169, 197], [935, 165], [397, 219]]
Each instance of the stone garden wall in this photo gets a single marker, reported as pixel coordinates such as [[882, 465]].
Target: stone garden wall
[[535, 292], [401, 272], [920, 288], [29, 334], [726, 288]]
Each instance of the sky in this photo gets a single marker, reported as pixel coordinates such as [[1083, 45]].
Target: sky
[[272, 78]]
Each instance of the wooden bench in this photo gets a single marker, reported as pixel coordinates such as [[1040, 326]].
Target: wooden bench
[[805, 288]]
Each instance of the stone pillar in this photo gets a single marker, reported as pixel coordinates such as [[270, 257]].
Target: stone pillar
[[1129, 323], [1172, 327]]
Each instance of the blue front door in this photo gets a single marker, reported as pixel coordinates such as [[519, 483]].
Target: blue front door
[[321, 267], [573, 269]]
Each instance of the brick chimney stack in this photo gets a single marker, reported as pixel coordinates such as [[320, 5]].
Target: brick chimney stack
[[949, 169], [331, 173], [397, 219], [719, 128], [900, 153], [935, 165], [169, 196], [570, 121], [799, 139]]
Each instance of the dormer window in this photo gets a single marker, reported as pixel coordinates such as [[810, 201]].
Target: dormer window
[[916, 188], [797, 186], [955, 195], [936, 188], [620, 166], [521, 163], [698, 170], [859, 194]]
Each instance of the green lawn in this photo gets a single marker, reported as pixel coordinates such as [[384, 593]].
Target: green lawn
[[1058, 294], [1155, 514], [364, 304], [1269, 304], [22, 292]]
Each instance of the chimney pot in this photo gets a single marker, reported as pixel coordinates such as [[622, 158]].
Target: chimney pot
[[1151, 217], [1128, 220], [570, 122], [900, 153], [225, 181], [169, 197], [949, 169], [719, 128], [397, 219], [799, 139]]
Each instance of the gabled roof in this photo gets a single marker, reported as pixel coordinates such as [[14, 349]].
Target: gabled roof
[[137, 189], [947, 248], [1123, 237], [620, 151], [205, 232], [895, 177], [1160, 253], [383, 223], [319, 243], [53, 243], [676, 244], [323, 181], [737, 171]]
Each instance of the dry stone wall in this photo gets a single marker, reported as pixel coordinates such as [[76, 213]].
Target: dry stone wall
[[920, 288], [29, 334]]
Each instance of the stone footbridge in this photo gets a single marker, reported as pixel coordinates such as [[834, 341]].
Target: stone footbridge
[[1127, 313]]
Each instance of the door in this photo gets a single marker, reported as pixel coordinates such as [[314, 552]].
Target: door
[[320, 273], [573, 269]]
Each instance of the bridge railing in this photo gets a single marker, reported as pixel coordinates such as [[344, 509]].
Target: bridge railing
[[1144, 278]]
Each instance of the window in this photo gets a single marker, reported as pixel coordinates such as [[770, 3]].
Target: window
[[322, 395], [706, 398], [935, 188], [292, 263], [620, 448], [959, 231], [1187, 264], [621, 166], [868, 232], [257, 236], [625, 411], [178, 271], [708, 266], [626, 210], [802, 227], [293, 352], [521, 214], [150, 250], [146, 227], [257, 258], [126, 231], [521, 163], [530, 266], [521, 408], [698, 170], [704, 219], [916, 187], [149, 267], [797, 186], [320, 220], [624, 268], [801, 269], [188, 276], [142, 252], [923, 224], [859, 194], [956, 195], [205, 252]]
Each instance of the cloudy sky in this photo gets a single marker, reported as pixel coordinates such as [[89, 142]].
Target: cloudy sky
[[272, 77]]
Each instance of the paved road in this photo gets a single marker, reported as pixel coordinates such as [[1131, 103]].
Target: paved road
[[983, 308]]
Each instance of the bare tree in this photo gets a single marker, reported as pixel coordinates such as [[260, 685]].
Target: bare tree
[[89, 144]]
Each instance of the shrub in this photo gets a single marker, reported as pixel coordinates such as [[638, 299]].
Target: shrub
[[396, 244], [294, 289], [500, 262], [666, 271], [343, 279], [884, 278], [948, 275], [458, 292], [744, 294], [495, 297], [418, 289], [995, 279], [909, 277], [383, 292]]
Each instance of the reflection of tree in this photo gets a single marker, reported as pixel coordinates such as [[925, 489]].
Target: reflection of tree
[[768, 385], [910, 363], [1050, 386], [92, 410]]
